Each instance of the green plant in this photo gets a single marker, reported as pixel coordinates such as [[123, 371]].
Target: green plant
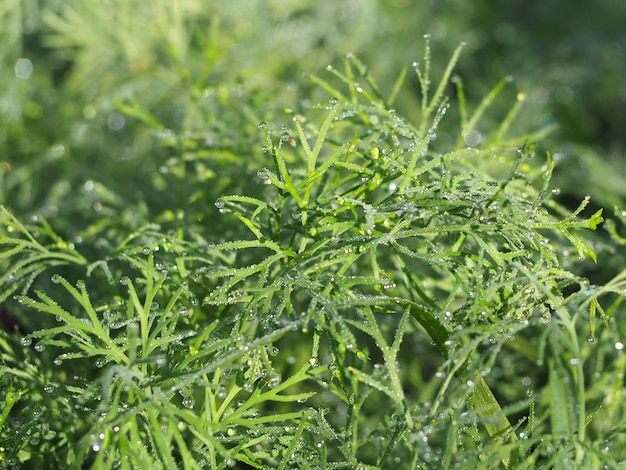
[[374, 301]]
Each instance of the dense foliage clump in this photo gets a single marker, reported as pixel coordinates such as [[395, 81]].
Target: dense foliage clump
[[201, 269]]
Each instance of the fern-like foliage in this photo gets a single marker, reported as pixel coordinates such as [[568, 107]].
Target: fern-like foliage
[[369, 244]]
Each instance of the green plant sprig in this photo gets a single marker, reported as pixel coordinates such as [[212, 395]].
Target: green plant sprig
[[25, 257], [458, 226], [372, 238]]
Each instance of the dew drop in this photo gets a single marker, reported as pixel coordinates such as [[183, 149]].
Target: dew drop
[[285, 136], [274, 381], [56, 279], [26, 341], [219, 204], [592, 339], [40, 347], [361, 355], [96, 446], [23, 68], [189, 402], [263, 173], [263, 125], [333, 101]]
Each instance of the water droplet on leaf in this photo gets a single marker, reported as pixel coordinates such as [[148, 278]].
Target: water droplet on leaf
[[96, 446]]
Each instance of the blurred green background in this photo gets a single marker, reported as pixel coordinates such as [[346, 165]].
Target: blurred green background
[[202, 74]]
